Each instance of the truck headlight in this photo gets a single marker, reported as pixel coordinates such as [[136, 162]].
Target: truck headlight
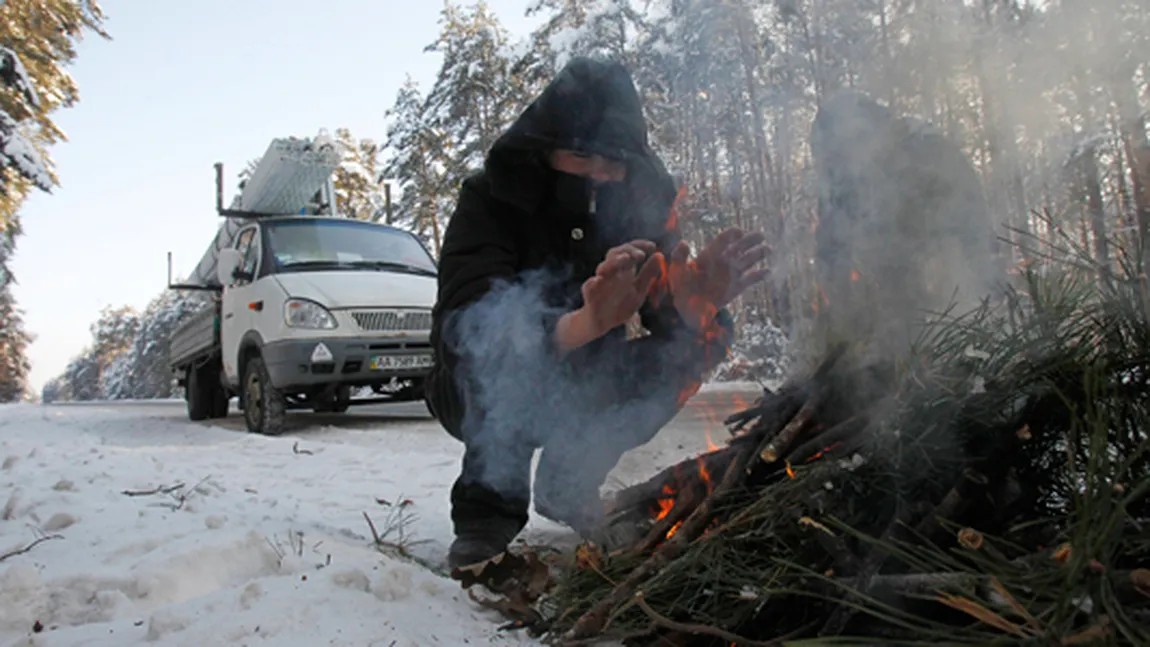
[[301, 313]]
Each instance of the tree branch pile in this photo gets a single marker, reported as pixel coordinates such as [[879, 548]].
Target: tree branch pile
[[991, 488]]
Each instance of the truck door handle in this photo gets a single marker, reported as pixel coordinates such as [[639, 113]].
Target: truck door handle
[[229, 315]]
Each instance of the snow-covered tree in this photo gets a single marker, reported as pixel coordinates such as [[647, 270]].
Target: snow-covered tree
[[17, 152], [420, 163], [14, 340], [435, 139], [128, 355], [141, 371], [38, 42], [358, 193]]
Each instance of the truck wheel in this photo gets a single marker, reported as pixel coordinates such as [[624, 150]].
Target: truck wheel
[[221, 402], [198, 396], [264, 405]]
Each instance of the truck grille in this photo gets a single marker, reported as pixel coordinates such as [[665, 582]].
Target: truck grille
[[393, 320]]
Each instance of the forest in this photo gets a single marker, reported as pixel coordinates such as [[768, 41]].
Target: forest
[[1047, 100]]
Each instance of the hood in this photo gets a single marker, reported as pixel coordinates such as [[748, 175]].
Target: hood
[[591, 106], [361, 289]]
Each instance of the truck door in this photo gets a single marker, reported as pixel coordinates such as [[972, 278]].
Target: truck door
[[236, 317]]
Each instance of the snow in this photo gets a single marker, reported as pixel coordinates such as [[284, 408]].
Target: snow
[[261, 545], [15, 148], [737, 387]]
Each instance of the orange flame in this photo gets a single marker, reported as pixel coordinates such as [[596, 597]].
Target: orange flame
[[667, 502], [704, 474], [674, 529], [791, 471], [712, 421], [822, 452], [711, 446]]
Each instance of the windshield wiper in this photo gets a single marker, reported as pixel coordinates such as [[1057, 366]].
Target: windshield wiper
[[392, 265], [331, 264]]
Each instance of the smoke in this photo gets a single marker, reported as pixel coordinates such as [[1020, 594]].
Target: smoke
[[904, 230], [583, 410]]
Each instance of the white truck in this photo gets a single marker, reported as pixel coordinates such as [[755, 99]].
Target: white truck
[[307, 305]]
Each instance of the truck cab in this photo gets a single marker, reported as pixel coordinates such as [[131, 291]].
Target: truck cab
[[309, 308]]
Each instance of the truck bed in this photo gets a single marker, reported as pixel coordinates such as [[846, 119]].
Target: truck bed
[[195, 338]]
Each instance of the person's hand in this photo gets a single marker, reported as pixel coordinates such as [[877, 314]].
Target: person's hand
[[613, 295], [721, 272]]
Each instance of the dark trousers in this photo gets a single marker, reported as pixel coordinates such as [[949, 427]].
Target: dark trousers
[[583, 418]]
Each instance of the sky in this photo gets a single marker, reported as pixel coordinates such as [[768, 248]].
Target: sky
[[183, 85]]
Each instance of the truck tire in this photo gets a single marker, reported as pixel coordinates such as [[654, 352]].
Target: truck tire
[[221, 402], [198, 396], [264, 405], [207, 398]]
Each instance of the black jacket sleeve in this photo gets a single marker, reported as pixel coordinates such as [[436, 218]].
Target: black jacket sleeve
[[479, 248]]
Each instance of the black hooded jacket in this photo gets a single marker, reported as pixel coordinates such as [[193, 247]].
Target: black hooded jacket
[[508, 219]]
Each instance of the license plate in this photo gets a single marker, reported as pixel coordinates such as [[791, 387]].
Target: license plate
[[399, 362]]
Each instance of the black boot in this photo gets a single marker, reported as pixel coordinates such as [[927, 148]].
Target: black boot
[[485, 522], [481, 542]]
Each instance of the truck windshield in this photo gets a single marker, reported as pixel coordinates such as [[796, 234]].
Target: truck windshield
[[319, 244]]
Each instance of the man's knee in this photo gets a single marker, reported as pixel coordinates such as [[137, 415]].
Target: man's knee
[[444, 402]]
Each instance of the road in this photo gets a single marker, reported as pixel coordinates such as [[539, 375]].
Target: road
[[697, 428]]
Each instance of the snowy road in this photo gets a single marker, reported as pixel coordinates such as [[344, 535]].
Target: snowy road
[[265, 542]]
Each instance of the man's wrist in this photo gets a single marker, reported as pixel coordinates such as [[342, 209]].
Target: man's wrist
[[573, 330]]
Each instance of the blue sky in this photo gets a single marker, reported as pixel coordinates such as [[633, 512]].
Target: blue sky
[[181, 86]]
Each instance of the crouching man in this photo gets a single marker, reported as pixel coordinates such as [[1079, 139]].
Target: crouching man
[[562, 239]]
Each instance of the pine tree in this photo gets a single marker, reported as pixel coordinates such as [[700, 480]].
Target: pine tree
[[14, 365], [435, 140], [475, 95], [39, 40], [419, 161], [357, 180]]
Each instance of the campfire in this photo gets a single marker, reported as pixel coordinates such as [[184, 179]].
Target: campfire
[[961, 497], [988, 483]]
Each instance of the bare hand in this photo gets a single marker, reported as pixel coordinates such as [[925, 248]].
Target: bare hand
[[617, 290], [721, 272]]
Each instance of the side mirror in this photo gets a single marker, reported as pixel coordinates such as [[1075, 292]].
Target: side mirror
[[227, 263]]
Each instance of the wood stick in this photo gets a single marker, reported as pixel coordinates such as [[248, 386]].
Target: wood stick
[[781, 444], [648, 492], [846, 430], [592, 622], [684, 503]]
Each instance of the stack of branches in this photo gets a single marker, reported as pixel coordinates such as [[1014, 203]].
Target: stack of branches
[[992, 488]]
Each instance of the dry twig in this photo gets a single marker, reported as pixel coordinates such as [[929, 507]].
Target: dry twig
[[161, 489], [25, 549]]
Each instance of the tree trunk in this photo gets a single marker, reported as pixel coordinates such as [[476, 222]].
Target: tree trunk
[[1137, 151]]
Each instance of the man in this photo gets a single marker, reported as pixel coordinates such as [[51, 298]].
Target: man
[[559, 241]]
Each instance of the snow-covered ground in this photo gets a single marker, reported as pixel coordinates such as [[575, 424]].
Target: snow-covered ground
[[265, 542]]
